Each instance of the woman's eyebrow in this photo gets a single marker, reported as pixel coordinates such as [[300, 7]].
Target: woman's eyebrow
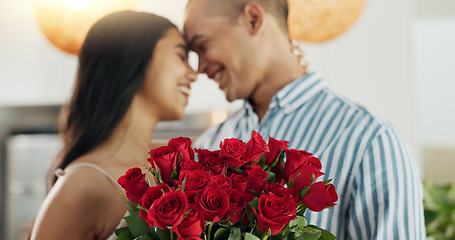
[[183, 46]]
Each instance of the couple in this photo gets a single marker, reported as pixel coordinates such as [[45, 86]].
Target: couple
[[133, 73]]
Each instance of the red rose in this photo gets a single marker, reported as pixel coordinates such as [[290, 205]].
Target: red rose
[[257, 179], [256, 146], [151, 195], [168, 210], [306, 171], [275, 147], [213, 203], [274, 212], [270, 187], [294, 159], [195, 183], [192, 165], [234, 149], [237, 204], [290, 193], [134, 184], [191, 225], [220, 182], [183, 145], [239, 182], [317, 196], [212, 160], [165, 160], [332, 195]]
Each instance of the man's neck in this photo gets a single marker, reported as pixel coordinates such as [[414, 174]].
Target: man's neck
[[273, 83]]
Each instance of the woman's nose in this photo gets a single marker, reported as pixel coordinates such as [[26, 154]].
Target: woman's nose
[[192, 75], [202, 67]]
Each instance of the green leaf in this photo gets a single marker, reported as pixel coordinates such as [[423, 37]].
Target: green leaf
[[304, 191], [300, 222], [125, 236], [249, 236], [325, 235], [240, 170], [222, 234], [271, 177], [174, 175], [261, 162], [236, 234], [313, 177], [119, 231], [137, 225], [254, 203], [132, 208], [278, 159], [147, 236], [162, 234], [291, 183], [158, 176], [327, 181], [183, 184], [309, 233]]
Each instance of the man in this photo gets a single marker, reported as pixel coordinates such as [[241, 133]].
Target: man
[[244, 45]]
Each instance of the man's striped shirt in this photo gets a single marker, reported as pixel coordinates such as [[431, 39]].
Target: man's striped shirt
[[377, 179]]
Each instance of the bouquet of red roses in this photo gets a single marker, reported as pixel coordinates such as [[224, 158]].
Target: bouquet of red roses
[[242, 191]]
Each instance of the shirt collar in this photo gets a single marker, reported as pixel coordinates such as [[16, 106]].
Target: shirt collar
[[296, 93]]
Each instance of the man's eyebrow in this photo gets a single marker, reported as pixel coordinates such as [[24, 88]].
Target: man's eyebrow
[[193, 39]]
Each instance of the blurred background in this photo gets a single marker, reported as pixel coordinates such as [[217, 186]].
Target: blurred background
[[396, 59]]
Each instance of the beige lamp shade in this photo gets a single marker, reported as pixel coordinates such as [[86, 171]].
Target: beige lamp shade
[[66, 22], [321, 20]]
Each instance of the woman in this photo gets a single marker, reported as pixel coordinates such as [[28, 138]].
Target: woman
[[133, 72]]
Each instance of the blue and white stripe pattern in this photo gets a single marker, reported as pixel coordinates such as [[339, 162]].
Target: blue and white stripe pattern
[[377, 179]]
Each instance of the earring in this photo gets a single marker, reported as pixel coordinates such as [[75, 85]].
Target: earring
[[299, 54]]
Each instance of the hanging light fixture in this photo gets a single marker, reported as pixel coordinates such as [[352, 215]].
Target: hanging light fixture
[[322, 20], [65, 23]]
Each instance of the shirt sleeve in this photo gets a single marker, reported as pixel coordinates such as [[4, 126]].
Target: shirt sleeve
[[387, 201]]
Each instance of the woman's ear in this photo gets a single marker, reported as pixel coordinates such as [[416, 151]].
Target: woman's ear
[[254, 15]]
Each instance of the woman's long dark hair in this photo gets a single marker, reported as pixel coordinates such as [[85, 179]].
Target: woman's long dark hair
[[112, 66]]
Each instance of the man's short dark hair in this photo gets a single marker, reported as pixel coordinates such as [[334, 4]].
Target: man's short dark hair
[[234, 8]]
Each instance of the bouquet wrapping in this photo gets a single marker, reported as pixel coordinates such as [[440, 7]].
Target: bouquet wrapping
[[242, 191]]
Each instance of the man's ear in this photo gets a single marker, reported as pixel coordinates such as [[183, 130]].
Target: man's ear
[[254, 15]]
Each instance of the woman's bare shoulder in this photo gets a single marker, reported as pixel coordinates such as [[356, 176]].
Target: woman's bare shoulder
[[81, 201]]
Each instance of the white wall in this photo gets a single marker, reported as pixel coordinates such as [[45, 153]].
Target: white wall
[[434, 65]]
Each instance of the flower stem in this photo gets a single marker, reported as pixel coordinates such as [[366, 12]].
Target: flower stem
[[209, 231], [172, 234]]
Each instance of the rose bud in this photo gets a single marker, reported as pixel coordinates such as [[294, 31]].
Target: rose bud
[[317, 197], [275, 147], [257, 179], [256, 147], [164, 159], [183, 145], [134, 184], [191, 225], [234, 150]]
